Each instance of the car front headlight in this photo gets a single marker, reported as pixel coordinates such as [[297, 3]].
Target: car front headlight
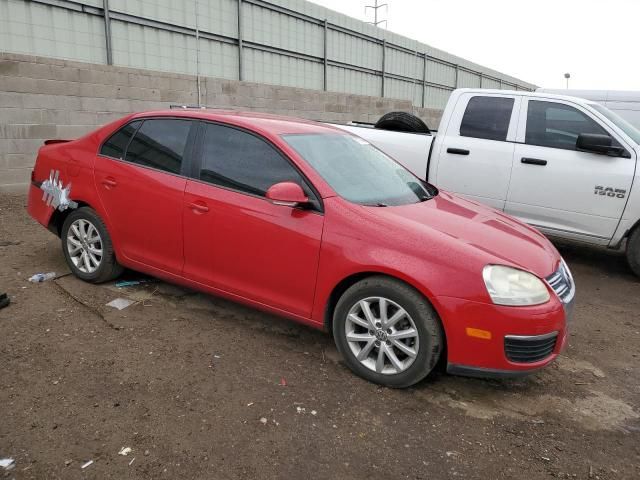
[[510, 286]]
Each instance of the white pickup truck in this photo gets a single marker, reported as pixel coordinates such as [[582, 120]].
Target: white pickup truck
[[565, 165]]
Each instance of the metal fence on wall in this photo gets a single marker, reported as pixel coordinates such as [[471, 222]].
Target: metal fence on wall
[[282, 42]]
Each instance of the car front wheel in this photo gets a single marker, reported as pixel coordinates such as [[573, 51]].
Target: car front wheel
[[387, 332], [87, 247]]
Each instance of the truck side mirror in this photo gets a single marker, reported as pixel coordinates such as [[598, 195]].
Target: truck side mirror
[[597, 143]]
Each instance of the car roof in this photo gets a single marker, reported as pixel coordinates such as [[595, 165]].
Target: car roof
[[275, 124]]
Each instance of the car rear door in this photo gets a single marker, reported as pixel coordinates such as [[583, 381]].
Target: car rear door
[[139, 177], [237, 241], [562, 190], [475, 152]]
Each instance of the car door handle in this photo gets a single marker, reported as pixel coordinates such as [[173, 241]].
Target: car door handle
[[109, 182], [199, 207], [533, 161], [458, 151]]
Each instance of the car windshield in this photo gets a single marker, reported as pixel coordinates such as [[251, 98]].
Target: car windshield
[[620, 122], [359, 172]]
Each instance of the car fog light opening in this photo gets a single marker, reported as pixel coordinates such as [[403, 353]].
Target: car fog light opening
[[513, 287]]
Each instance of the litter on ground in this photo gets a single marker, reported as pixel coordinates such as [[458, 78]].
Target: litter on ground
[[132, 283], [120, 303], [125, 451], [85, 465], [7, 463], [42, 277], [4, 300]]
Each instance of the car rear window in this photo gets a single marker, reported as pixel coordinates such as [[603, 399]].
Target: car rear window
[[160, 144], [116, 146], [487, 117]]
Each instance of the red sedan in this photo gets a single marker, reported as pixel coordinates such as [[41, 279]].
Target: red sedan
[[314, 224]]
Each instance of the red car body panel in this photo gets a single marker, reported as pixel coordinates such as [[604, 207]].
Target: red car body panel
[[290, 261]]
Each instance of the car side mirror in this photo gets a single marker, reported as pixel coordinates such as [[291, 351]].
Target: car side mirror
[[597, 143], [287, 194]]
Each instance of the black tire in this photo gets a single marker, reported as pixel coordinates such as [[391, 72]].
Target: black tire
[[633, 251], [109, 268], [402, 122], [427, 323]]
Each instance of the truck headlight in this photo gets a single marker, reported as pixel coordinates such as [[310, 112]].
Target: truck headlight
[[510, 286]]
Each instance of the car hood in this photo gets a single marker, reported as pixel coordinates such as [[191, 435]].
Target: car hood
[[491, 235]]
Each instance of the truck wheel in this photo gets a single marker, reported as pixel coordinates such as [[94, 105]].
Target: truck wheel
[[402, 122], [87, 247], [633, 251], [387, 332]]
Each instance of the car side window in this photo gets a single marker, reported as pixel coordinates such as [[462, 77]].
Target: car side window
[[116, 145], [556, 125], [160, 144], [238, 160], [487, 117]]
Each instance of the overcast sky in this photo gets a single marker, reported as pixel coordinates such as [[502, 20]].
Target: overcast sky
[[537, 40]]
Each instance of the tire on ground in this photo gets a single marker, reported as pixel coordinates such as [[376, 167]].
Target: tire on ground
[[430, 332], [402, 122], [109, 267], [633, 251]]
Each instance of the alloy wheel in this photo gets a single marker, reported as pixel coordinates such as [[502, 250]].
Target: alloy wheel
[[84, 245], [382, 335]]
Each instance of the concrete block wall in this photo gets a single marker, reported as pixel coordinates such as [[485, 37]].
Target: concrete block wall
[[42, 98]]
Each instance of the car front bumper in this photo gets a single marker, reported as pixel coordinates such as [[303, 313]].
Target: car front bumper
[[516, 341]]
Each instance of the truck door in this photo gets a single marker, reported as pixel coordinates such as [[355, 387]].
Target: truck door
[[561, 190], [476, 152]]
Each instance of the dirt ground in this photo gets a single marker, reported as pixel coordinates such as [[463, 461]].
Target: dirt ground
[[192, 384]]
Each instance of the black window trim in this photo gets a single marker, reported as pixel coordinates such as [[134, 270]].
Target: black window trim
[[187, 157], [604, 127], [198, 158]]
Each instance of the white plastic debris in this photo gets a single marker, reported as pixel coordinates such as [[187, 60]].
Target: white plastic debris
[[132, 460], [7, 463], [301, 409], [55, 194], [313, 412], [263, 421], [125, 451], [120, 303], [85, 465], [42, 277]]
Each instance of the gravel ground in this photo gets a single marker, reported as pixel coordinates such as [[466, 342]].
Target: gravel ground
[[194, 386]]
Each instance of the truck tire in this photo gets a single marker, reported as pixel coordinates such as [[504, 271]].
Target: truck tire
[[387, 332], [633, 251], [402, 122]]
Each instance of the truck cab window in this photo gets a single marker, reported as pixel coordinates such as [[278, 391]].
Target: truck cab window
[[487, 117], [555, 125]]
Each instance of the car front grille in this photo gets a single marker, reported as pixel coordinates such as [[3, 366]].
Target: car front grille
[[562, 283], [529, 349]]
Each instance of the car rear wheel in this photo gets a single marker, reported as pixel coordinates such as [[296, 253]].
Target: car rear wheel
[[387, 332], [633, 251], [87, 247]]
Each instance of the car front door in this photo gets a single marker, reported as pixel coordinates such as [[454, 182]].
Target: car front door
[[476, 153], [237, 241], [559, 189], [138, 175]]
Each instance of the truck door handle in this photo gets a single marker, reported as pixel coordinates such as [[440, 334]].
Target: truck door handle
[[109, 182], [533, 161], [458, 151], [199, 207]]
